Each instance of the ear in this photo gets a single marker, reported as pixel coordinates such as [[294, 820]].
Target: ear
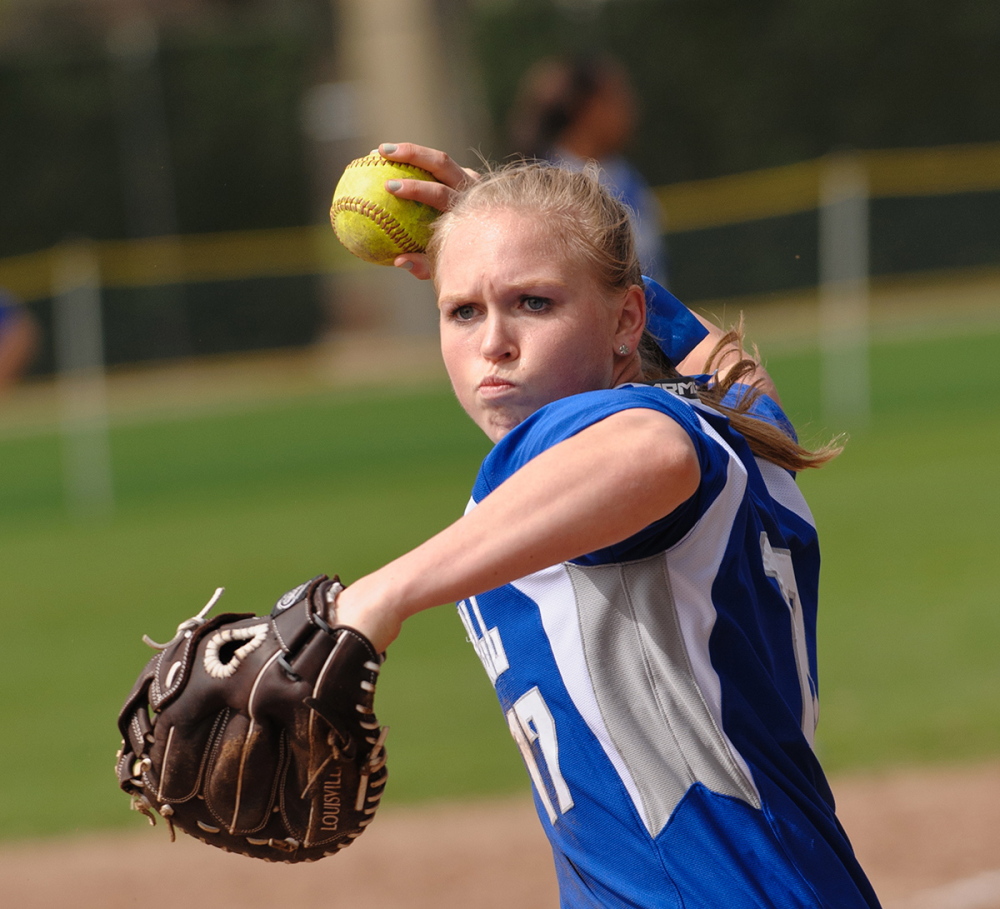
[[631, 318]]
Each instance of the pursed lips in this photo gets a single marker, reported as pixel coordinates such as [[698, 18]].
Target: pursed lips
[[493, 386]]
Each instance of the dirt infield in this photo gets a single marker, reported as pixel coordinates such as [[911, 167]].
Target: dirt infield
[[930, 839]]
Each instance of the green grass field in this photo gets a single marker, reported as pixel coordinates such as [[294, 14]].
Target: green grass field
[[260, 499]]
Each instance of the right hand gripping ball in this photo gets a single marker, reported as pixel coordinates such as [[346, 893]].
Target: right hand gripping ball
[[372, 223]]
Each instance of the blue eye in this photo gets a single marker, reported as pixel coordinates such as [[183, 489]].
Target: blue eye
[[535, 304], [463, 313]]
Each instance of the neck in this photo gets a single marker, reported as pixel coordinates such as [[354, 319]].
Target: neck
[[629, 370]]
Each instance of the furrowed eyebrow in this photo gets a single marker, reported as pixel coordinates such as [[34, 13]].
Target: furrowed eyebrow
[[453, 301], [541, 287]]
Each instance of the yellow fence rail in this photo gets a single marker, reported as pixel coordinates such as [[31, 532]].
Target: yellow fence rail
[[695, 205], [795, 188], [192, 258]]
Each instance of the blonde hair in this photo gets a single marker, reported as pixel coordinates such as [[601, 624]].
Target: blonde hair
[[585, 218], [594, 227], [766, 440]]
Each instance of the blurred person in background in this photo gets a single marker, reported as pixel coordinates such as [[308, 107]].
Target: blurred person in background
[[18, 341], [574, 110]]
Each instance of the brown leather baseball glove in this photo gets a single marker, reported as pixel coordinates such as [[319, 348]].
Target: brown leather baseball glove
[[257, 734]]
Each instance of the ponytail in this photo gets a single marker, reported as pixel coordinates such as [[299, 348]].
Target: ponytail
[[766, 440]]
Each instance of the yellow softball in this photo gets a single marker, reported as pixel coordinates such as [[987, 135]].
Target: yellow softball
[[372, 223]]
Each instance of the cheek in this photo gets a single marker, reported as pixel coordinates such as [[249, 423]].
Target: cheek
[[457, 366], [586, 362], [450, 358]]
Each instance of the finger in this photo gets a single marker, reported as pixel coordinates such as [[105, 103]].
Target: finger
[[416, 264], [437, 195], [439, 164]]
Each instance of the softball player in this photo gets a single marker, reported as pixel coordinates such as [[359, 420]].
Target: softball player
[[574, 109], [636, 569]]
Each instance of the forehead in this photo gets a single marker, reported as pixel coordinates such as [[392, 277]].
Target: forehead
[[509, 246]]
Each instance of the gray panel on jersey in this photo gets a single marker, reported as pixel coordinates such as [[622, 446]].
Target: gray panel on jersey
[[646, 690]]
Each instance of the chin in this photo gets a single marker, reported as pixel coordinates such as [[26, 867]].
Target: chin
[[495, 432], [497, 422], [496, 429]]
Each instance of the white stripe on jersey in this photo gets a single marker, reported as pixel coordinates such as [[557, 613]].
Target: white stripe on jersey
[[553, 585], [692, 565], [784, 490], [562, 628]]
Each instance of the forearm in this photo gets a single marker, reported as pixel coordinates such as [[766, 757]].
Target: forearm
[[570, 500]]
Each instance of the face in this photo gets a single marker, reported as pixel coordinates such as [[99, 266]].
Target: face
[[611, 116], [522, 324]]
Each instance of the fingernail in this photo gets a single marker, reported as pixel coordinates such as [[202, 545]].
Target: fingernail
[[408, 265], [394, 186], [389, 148]]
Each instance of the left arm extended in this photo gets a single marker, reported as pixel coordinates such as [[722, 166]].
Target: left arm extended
[[590, 491]]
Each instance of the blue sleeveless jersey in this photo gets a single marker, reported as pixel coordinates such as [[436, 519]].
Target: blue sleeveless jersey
[[663, 691]]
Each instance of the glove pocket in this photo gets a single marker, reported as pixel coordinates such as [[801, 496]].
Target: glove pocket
[[241, 778], [181, 751]]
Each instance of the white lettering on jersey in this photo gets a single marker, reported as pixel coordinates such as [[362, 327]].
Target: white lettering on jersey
[[778, 565], [486, 641], [531, 721]]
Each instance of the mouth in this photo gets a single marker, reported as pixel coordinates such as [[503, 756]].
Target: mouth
[[494, 386]]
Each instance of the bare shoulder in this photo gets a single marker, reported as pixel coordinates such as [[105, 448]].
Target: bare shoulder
[[651, 443]]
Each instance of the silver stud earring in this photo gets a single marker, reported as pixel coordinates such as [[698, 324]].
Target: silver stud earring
[[623, 349]]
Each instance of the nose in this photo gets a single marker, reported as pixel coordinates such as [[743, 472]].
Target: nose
[[498, 341]]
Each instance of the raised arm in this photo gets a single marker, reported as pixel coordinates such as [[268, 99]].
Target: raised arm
[[450, 176], [590, 491], [701, 360]]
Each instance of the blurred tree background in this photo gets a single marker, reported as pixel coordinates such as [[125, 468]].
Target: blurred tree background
[[227, 80], [215, 88], [727, 86], [733, 85]]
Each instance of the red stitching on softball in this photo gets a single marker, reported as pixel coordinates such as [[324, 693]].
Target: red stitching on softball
[[391, 227], [378, 160]]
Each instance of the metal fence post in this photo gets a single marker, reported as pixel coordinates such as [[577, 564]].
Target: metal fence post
[[843, 288], [79, 355]]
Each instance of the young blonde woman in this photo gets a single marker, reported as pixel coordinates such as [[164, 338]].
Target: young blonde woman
[[636, 569]]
